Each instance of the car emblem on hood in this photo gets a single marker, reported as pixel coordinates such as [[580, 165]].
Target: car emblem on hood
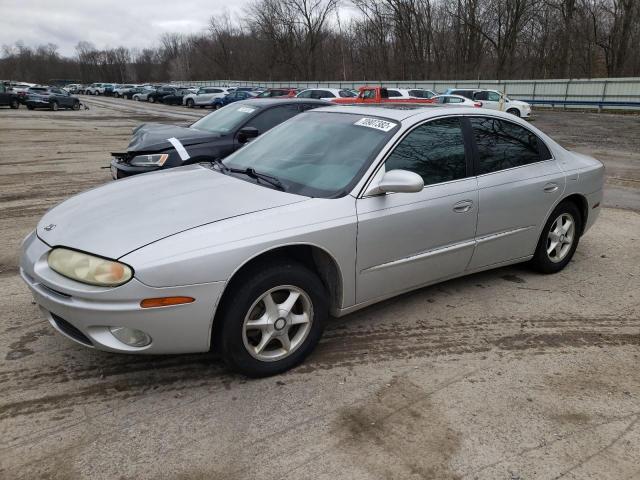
[[50, 227]]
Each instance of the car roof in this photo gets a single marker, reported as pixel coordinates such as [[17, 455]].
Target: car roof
[[267, 102], [403, 111]]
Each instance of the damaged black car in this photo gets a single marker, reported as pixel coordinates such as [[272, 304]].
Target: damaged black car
[[157, 146]]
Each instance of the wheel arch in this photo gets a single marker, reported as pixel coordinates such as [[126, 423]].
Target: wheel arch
[[314, 257], [581, 202]]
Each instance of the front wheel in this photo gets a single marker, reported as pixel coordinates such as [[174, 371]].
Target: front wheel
[[151, 99], [272, 319], [15, 104], [514, 111], [559, 239], [76, 105], [54, 106], [190, 103]]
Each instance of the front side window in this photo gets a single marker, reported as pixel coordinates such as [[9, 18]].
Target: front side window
[[502, 144], [326, 153], [493, 96], [369, 94], [435, 151], [306, 94]]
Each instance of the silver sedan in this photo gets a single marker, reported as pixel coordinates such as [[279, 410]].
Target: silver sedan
[[331, 211]]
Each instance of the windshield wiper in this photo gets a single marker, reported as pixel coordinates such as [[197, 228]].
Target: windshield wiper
[[250, 172]]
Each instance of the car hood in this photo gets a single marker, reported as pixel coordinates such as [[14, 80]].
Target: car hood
[[518, 103], [122, 216], [153, 137]]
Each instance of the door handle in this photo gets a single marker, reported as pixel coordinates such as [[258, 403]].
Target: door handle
[[550, 187], [463, 206]]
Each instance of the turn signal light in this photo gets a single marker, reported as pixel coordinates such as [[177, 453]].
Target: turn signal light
[[165, 301]]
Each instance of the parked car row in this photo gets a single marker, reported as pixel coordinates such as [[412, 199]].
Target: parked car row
[[36, 96], [216, 97]]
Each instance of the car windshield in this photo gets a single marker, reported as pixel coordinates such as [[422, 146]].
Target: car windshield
[[316, 154], [226, 119]]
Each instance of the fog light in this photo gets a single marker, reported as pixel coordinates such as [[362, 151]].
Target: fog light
[[131, 336]]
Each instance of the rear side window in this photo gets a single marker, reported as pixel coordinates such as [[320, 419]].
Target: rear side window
[[503, 145], [394, 93], [306, 94], [273, 116], [435, 151]]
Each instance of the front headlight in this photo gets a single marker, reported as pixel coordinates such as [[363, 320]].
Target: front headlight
[[89, 269], [156, 160]]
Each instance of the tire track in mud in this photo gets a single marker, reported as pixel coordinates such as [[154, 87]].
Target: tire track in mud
[[344, 345]]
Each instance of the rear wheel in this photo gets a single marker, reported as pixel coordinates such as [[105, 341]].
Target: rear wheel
[[54, 106], [272, 319], [559, 239], [15, 104], [30, 107], [151, 99], [190, 102], [76, 105], [216, 106], [514, 111]]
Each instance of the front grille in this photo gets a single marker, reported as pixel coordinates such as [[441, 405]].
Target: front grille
[[70, 330]]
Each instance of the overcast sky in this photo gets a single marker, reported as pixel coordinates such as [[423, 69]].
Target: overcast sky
[[110, 23]]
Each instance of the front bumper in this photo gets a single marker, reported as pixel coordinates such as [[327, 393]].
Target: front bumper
[[84, 313], [120, 169]]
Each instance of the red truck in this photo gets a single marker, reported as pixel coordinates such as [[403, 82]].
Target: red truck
[[378, 95]]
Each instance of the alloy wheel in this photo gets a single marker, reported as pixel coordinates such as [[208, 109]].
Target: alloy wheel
[[277, 323], [560, 238]]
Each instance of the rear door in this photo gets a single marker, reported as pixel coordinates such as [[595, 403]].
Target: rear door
[[410, 239], [519, 182]]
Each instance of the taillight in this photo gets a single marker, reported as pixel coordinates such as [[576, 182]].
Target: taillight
[[477, 104]]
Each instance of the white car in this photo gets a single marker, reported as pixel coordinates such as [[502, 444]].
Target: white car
[[455, 100], [143, 95], [120, 90], [415, 92], [204, 96], [326, 93], [494, 100], [95, 89]]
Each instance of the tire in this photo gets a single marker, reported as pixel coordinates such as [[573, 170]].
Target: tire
[[151, 99], [551, 260], [76, 106], [277, 280], [137, 99], [14, 104], [514, 111], [217, 106], [54, 106], [30, 107], [190, 102]]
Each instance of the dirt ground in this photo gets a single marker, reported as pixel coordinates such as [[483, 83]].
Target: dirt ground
[[505, 374]]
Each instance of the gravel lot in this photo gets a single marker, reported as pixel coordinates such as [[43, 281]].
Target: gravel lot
[[501, 375]]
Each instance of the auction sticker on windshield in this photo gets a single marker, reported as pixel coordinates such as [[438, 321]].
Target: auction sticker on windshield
[[246, 110], [375, 123]]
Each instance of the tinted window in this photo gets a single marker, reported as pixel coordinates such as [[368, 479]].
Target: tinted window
[[481, 96], [394, 93], [306, 94], [503, 144], [272, 117], [435, 151], [326, 94]]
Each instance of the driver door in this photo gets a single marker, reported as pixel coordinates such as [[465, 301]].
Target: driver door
[[406, 240]]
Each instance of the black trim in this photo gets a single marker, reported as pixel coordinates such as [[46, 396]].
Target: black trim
[[470, 148], [70, 330]]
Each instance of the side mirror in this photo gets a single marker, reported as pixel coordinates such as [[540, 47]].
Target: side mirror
[[397, 181], [247, 133]]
